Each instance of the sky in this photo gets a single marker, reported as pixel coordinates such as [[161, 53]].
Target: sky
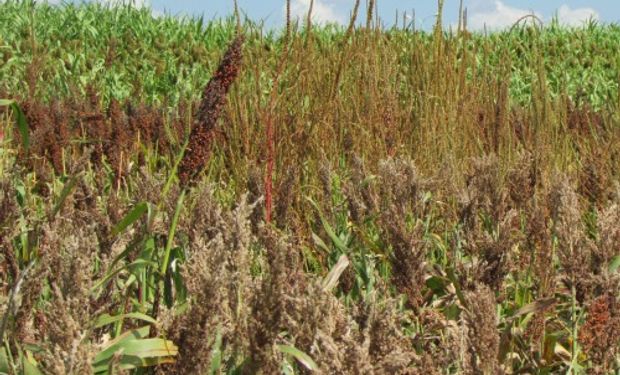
[[489, 14]]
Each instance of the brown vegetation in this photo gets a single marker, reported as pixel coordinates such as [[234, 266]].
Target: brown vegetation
[[480, 236]]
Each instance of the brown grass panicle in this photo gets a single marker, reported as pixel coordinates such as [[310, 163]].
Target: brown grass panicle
[[8, 203], [275, 303], [218, 279], [9, 266], [325, 173], [599, 334], [520, 123], [282, 299], [366, 338], [484, 193], [92, 119], [361, 192], [61, 135], [480, 324], [148, 188], [204, 216], [68, 252], [608, 242], [255, 185], [489, 226], [408, 260], [397, 196], [582, 119], [538, 244], [522, 180], [117, 147], [146, 124], [595, 178], [9, 269], [286, 194], [213, 99], [402, 186], [492, 253], [574, 247], [538, 253], [42, 136], [72, 352]]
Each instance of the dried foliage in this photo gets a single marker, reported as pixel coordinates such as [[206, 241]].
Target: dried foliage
[[482, 336], [427, 219], [599, 334]]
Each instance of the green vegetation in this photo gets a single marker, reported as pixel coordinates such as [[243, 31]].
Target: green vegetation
[[180, 196], [128, 53]]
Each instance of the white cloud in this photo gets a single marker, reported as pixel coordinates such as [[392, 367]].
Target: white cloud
[[498, 17], [576, 17], [322, 11]]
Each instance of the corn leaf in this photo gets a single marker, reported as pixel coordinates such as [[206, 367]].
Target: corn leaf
[[136, 350], [130, 218], [106, 319], [20, 119], [300, 356]]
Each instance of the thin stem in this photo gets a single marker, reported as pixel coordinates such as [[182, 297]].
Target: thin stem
[[10, 304]]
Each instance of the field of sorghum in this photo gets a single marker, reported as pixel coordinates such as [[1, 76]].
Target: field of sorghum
[[181, 196]]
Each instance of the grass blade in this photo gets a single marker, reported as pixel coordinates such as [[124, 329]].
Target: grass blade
[[173, 227], [106, 319], [66, 190], [130, 218], [20, 119], [300, 356]]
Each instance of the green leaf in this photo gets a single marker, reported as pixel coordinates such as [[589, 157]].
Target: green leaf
[[5, 367], [138, 353], [614, 264], [66, 190], [287, 368], [457, 286], [534, 307], [328, 229], [138, 262], [320, 243], [136, 350], [300, 356], [132, 362], [20, 193], [22, 125], [130, 218], [20, 119], [30, 365], [173, 227], [149, 243], [106, 319], [437, 284], [147, 348], [216, 353], [174, 286], [137, 333]]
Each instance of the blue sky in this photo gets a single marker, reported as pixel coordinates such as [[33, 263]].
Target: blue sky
[[492, 14]]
